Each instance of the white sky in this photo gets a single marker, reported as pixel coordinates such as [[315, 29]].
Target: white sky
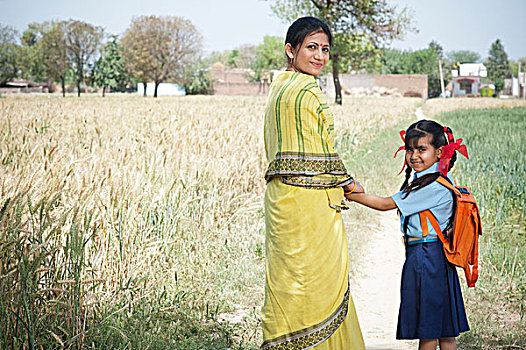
[[455, 24]]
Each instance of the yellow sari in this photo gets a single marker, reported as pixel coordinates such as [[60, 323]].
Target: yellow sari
[[307, 298]]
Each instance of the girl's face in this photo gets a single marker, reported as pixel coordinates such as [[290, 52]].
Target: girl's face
[[422, 154], [312, 55]]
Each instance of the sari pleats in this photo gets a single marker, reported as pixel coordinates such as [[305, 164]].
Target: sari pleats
[[307, 299]]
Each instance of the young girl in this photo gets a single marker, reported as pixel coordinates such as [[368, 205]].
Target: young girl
[[431, 304]]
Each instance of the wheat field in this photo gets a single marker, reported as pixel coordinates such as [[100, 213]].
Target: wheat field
[[126, 211]]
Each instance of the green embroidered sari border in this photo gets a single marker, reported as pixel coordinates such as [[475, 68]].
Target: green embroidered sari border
[[309, 337], [306, 165]]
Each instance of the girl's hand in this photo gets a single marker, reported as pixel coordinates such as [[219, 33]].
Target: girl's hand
[[348, 189], [371, 201]]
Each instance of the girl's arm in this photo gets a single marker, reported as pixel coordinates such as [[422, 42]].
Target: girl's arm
[[352, 188], [372, 201]]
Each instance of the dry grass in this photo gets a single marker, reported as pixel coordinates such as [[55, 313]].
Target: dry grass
[[436, 106], [129, 207]]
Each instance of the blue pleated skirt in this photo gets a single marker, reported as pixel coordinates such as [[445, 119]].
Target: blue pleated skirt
[[431, 305]]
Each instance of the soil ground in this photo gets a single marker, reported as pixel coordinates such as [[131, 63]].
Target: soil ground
[[375, 285]]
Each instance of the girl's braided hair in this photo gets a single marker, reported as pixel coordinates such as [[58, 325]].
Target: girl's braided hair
[[416, 131]]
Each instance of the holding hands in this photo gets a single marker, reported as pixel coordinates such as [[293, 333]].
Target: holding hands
[[351, 188]]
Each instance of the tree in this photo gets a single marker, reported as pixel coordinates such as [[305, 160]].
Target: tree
[[426, 62], [8, 53], [109, 71], [31, 52], [364, 26], [158, 48], [232, 58], [514, 65], [498, 65], [463, 56], [240, 57], [417, 62], [82, 42], [269, 55], [197, 82], [54, 52]]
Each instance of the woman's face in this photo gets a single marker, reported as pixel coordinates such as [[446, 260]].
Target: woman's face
[[312, 55]]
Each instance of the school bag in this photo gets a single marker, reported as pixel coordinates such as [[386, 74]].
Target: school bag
[[461, 243]]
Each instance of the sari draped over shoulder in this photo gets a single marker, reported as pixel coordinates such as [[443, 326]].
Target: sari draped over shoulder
[[307, 298]]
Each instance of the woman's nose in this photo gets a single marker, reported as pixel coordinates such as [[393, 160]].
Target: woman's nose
[[319, 53]]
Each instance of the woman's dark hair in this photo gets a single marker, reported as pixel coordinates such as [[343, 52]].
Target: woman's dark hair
[[304, 26], [439, 138]]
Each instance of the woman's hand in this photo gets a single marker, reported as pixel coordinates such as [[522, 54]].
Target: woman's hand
[[359, 188]]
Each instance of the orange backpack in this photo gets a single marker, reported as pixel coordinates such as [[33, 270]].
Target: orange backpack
[[461, 244]]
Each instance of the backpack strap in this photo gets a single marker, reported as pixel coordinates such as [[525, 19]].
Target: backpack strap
[[445, 182], [428, 215]]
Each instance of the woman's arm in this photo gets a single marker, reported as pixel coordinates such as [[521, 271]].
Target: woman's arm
[[372, 201]]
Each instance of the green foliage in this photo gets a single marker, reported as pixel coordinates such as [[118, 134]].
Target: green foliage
[[240, 57], [109, 71], [355, 53], [54, 52], [232, 58], [44, 285], [514, 66], [498, 65], [8, 53], [269, 55], [496, 174], [31, 52], [463, 56], [198, 83], [423, 61]]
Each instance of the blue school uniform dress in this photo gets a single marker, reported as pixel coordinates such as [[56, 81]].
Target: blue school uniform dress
[[431, 304]]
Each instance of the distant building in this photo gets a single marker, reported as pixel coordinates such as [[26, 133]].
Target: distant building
[[402, 85], [467, 78], [24, 86], [219, 73], [516, 86], [234, 81], [164, 89]]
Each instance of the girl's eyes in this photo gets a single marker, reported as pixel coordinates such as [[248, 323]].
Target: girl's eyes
[[419, 149]]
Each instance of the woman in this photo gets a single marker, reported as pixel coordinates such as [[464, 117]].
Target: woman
[[307, 298]]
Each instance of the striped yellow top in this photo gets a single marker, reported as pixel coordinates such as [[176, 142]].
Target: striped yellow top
[[299, 134]]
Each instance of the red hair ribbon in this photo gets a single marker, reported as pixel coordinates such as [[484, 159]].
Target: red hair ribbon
[[402, 135], [447, 153], [450, 137]]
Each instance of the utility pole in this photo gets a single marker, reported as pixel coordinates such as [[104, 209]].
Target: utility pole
[[441, 78], [519, 82]]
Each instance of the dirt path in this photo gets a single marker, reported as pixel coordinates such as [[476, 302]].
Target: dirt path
[[376, 285]]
